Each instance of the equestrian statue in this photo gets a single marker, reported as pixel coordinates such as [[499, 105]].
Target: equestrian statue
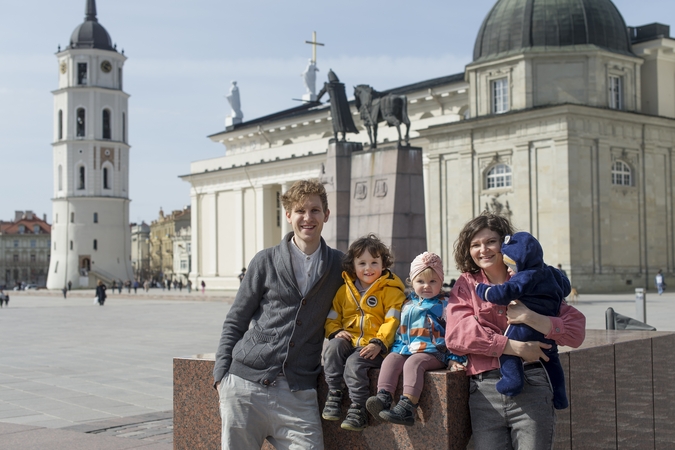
[[375, 107]]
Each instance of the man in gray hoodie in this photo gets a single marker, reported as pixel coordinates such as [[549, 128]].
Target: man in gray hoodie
[[269, 357]]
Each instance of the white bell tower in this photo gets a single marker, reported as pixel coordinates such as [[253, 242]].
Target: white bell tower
[[91, 238]]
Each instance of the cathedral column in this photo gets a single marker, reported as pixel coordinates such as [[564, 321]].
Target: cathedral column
[[239, 227], [195, 265], [212, 202], [285, 226]]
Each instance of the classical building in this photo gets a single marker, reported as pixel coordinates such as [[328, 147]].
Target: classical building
[[91, 236], [163, 231], [140, 250], [182, 249], [563, 121], [25, 249]]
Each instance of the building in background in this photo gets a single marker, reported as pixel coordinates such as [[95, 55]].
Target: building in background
[[91, 236], [140, 251], [25, 246], [182, 249], [162, 234], [564, 121]]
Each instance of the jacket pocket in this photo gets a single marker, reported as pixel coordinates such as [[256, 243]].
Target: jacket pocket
[[255, 349]]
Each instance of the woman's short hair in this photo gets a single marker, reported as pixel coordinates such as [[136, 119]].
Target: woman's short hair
[[374, 246], [498, 224]]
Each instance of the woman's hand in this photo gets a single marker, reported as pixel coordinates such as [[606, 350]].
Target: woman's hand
[[528, 351], [517, 313]]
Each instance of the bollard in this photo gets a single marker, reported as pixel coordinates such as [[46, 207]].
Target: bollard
[[640, 305]]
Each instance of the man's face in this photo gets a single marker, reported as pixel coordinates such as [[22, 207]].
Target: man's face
[[307, 219]]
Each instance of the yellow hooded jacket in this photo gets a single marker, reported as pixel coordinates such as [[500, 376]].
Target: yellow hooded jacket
[[376, 315]]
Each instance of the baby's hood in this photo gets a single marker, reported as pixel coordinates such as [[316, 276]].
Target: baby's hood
[[524, 250]]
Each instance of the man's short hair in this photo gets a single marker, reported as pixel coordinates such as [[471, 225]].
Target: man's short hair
[[302, 189]]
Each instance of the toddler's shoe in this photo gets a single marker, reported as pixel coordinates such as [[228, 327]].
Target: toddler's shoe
[[378, 402], [402, 414], [332, 410], [357, 418]]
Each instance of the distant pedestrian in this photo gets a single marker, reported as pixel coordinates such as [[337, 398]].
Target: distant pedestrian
[[135, 286], [64, 290], [100, 292], [203, 286], [660, 282], [119, 287], [4, 298], [146, 285], [163, 285], [242, 274], [189, 286], [561, 269], [70, 285], [128, 285], [114, 286], [168, 284], [180, 285]]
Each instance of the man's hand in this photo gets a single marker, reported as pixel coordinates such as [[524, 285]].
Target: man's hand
[[218, 388], [370, 351]]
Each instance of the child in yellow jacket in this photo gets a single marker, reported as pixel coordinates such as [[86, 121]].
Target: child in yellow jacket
[[361, 327]]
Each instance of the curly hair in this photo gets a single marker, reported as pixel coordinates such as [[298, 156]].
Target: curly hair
[[462, 247], [375, 247], [302, 189]]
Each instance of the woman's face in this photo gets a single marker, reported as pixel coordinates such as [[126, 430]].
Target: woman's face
[[485, 250]]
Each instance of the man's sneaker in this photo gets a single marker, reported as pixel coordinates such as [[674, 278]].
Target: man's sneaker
[[357, 418], [332, 410], [378, 402], [402, 414]]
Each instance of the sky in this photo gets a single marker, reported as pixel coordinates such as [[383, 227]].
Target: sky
[[183, 57]]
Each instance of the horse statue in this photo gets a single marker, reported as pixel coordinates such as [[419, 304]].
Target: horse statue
[[376, 107]]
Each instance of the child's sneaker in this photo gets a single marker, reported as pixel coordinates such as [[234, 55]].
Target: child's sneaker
[[357, 418], [402, 414], [378, 402], [332, 410]]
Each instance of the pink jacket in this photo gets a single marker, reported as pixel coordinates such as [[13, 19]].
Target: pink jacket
[[476, 328]]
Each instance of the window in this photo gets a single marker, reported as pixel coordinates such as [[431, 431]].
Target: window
[[80, 122], [189, 247], [60, 178], [33, 243], [71, 245], [80, 181], [16, 258], [36, 229], [621, 174], [81, 73], [60, 124], [106, 183], [183, 264], [72, 217], [32, 258], [499, 176], [16, 244], [95, 244], [124, 127], [500, 95], [22, 229], [119, 76], [95, 217], [106, 124], [615, 92]]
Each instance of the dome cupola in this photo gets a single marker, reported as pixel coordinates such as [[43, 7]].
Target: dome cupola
[[90, 33], [517, 26]]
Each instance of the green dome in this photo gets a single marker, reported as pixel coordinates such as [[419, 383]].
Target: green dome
[[514, 26]]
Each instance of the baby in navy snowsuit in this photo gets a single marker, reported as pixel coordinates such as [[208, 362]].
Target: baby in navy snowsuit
[[541, 288]]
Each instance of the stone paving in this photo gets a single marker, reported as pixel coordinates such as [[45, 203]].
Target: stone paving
[[72, 366]]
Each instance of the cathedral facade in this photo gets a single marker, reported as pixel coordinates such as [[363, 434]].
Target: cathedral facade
[[90, 232], [564, 122]]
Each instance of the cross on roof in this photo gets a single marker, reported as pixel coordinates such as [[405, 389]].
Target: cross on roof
[[313, 43]]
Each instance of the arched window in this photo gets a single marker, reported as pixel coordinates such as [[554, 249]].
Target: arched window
[[60, 177], [621, 174], [95, 244], [60, 124], [80, 122], [106, 182], [81, 178], [106, 124], [498, 176], [95, 217]]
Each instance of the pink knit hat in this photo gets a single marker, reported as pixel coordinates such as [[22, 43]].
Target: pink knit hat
[[425, 260]]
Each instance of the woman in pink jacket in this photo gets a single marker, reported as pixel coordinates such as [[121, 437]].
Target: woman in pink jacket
[[476, 328]]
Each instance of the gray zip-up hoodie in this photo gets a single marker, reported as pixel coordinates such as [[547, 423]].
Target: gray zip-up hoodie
[[271, 327]]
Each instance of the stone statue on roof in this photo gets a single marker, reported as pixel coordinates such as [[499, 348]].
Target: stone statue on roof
[[235, 103], [309, 77], [341, 114]]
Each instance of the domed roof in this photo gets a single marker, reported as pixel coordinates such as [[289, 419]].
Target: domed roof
[[91, 34], [514, 26]]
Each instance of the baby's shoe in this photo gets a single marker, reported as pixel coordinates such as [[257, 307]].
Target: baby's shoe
[[332, 410], [357, 418], [402, 414], [378, 402]]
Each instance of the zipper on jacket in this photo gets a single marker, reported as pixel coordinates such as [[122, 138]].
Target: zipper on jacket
[[358, 307]]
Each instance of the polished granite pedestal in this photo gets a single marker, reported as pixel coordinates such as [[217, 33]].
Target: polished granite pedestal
[[620, 386]]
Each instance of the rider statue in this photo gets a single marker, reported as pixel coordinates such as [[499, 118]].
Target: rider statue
[[340, 112]]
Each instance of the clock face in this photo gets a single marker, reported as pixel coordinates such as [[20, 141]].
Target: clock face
[[106, 66], [63, 67]]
